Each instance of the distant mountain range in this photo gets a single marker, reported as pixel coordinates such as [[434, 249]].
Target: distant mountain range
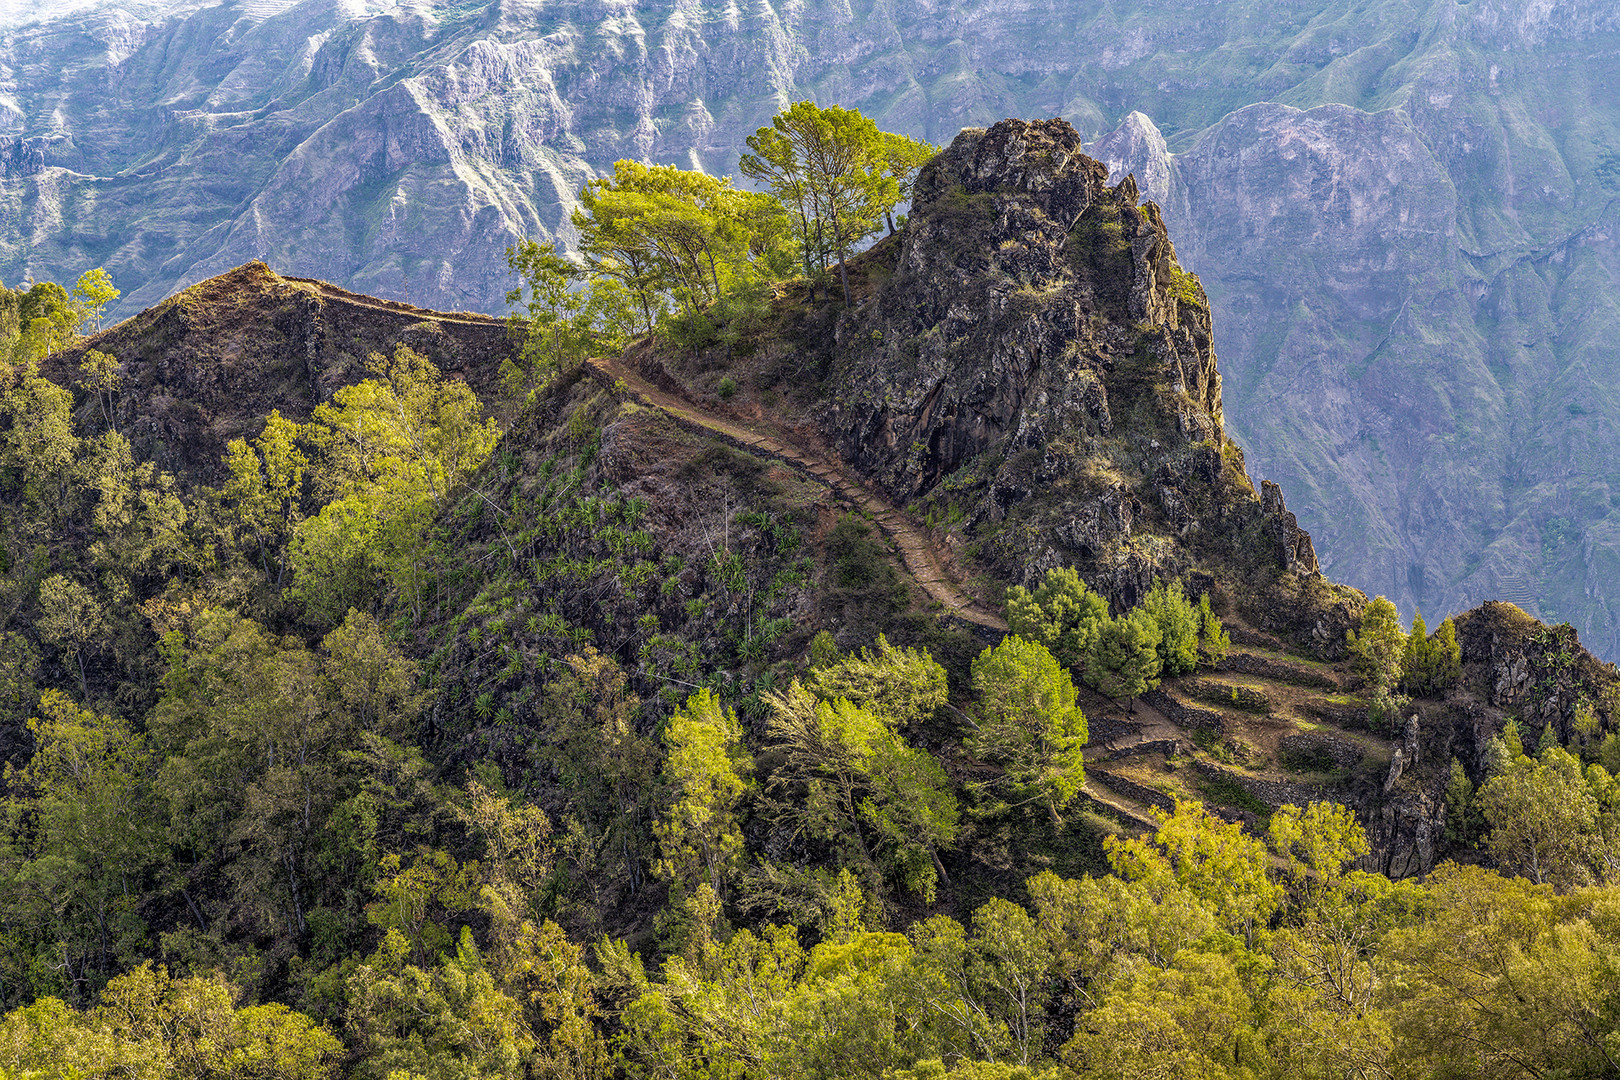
[[1403, 212]]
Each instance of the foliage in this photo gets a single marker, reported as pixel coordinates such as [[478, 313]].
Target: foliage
[[338, 765], [705, 770], [1213, 860], [1062, 614], [837, 175], [1124, 659], [673, 237], [393, 450], [1541, 816], [84, 822], [1431, 663], [904, 686], [1213, 637], [1027, 724], [848, 780], [1179, 624], [1379, 645], [150, 1026]]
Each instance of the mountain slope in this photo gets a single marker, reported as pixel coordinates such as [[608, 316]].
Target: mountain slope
[[1415, 273]]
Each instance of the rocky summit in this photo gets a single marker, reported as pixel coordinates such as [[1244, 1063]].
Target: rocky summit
[[1029, 361]]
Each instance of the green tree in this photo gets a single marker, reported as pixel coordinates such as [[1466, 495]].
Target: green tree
[[85, 828], [551, 322], [102, 381], [393, 450], [49, 318], [718, 1012], [1504, 978], [72, 619], [375, 685], [92, 293], [1214, 860], [903, 158], [1314, 846], [1178, 622], [150, 1026], [1062, 614], [1542, 817], [1027, 723], [1430, 663], [1415, 673], [667, 232], [546, 973], [450, 1019], [1124, 660], [1445, 656], [905, 686], [1464, 822], [255, 729], [1010, 964], [37, 443], [1194, 1018], [1379, 645], [705, 773], [265, 491], [849, 780], [1213, 637], [139, 522], [832, 166], [607, 769]]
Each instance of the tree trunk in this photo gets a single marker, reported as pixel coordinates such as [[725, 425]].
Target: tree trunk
[[843, 249], [196, 912]]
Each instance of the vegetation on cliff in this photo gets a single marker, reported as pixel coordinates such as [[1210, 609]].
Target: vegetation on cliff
[[600, 731]]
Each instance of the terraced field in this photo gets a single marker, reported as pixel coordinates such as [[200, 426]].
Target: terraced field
[[1260, 729]]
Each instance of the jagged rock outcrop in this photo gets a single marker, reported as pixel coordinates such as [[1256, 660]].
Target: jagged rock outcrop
[[1294, 549], [1513, 667], [1039, 357]]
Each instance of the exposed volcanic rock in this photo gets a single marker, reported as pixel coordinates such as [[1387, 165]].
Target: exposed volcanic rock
[[1039, 357]]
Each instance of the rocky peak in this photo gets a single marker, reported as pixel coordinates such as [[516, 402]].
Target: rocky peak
[[209, 363], [1040, 159], [1037, 359]]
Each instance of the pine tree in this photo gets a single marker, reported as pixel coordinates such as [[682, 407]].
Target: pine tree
[[1124, 660], [1215, 641], [1178, 623], [1062, 613]]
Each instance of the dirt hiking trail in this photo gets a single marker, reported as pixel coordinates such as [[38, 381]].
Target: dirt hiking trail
[[920, 556]]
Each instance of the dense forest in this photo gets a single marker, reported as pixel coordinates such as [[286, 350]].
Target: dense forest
[[399, 743]]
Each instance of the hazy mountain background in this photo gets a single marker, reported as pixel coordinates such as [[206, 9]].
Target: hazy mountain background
[[1404, 212]]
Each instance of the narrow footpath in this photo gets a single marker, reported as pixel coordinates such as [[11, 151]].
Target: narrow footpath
[[920, 556]]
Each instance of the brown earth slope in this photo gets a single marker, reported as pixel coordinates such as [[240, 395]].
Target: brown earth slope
[[209, 363]]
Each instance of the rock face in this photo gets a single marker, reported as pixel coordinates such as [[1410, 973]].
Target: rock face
[[1394, 354]]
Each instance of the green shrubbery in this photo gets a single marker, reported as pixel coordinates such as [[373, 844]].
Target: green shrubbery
[[1121, 657]]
